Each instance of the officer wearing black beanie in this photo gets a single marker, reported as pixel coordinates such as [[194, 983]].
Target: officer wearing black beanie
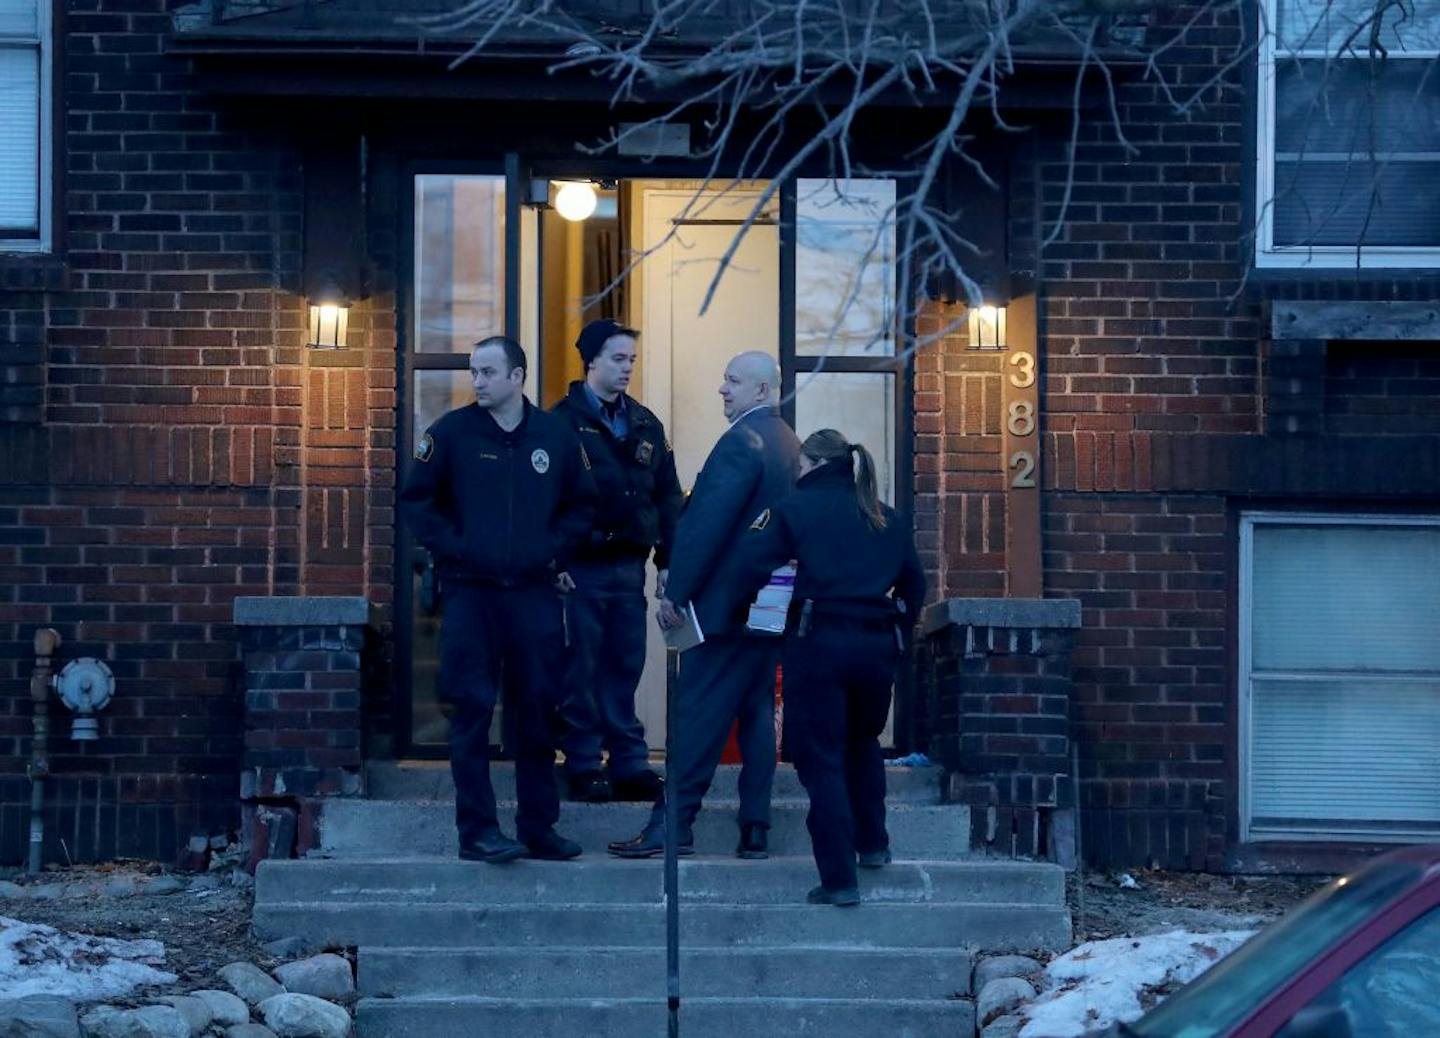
[[639, 505]]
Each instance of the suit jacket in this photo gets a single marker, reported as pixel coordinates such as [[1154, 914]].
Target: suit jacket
[[751, 468]]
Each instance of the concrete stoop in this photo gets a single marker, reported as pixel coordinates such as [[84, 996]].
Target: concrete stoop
[[540, 949]]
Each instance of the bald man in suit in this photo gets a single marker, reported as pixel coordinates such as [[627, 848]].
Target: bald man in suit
[[731, 676]]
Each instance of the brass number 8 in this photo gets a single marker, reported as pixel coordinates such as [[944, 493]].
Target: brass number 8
[[1025, 377], [1022, 418]]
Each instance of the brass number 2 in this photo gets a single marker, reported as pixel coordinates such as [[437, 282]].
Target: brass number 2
[[1022, 418], [1025, 377], [1024, 464]]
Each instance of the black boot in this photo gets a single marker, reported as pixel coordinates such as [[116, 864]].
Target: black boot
[[590, 787], [492, 847], [754, 841], [643, 786], [551, 846]]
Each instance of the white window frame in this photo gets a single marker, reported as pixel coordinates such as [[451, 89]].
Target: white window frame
[[1267, 253], [43, 240], [1248, 522]]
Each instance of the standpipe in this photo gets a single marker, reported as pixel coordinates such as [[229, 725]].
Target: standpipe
[[47, 641]]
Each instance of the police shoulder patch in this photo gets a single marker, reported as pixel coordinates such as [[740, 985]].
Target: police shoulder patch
[[425, 448], [761, 521]]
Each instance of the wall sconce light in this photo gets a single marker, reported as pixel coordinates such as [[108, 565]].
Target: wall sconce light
[[987, 328], [576, 200], [329, 322]]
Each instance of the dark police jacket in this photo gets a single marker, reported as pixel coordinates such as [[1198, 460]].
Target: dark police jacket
[[639, 493], [843, 564], [495, 506], [750, 468]]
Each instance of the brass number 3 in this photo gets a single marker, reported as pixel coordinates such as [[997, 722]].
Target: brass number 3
[[1023, 462], [1025, 377], [1022, 418]]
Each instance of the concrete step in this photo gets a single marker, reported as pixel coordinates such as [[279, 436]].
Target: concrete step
[[608, 973], [431, 780], [399, 828], [629, 1018], [611, 881], [373, 922]]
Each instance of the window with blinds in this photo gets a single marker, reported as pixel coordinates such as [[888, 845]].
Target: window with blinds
[[24, 125], [1348, 156], [1340, 682]]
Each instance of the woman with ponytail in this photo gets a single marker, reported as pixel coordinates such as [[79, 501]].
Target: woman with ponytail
[[858, 590]]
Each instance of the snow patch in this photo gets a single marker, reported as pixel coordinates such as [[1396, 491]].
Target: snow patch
[[1097, 983], [41, 960]]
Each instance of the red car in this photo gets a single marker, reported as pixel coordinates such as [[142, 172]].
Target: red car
[[1360, 958]]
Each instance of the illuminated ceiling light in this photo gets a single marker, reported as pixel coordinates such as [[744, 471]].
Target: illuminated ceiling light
[[987, 328], [576, 200]]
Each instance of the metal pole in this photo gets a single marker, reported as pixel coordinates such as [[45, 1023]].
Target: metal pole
[[672, 860]]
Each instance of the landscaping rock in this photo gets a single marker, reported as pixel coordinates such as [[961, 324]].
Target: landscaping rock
[[250, 982], [196, 1013], [1004, 966], [324, 976], [287, 947], [38, 1016], [226, 1009], [163, 885], [147, 1022], [1003, 1027], [249, 1031], [304, 1016], [1000, 996]]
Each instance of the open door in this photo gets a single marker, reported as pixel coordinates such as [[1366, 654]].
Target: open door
[[684, 353]]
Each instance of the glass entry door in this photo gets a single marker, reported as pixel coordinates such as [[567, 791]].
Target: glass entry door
[[474, 274]]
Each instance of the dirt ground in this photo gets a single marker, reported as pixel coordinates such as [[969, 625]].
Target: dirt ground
[[203, 927], [1160, 901], [207, 924]]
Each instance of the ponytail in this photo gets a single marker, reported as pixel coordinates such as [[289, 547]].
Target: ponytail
[[827, 445]]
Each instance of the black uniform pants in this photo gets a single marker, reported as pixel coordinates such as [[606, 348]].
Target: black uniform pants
[[838, 680], [724, 679], [510, 638], [607, 657]]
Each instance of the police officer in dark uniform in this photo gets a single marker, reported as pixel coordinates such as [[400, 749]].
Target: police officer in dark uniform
[[858, 589], [639, 503], [501, 493]]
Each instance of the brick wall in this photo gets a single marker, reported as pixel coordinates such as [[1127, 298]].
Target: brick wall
[[169, 442], [1166, 411]]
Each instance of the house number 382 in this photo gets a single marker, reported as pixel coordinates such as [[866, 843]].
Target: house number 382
[[1020, 420]]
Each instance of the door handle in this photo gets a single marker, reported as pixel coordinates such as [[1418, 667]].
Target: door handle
[[429, 582]]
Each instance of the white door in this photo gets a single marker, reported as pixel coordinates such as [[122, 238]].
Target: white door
[[684, 353]]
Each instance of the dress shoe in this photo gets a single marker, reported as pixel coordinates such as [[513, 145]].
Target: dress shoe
[[551, 846], [754, 841], [847, 898], [643, 786], [874, 859], [590, 787], [493, 848], [651, 843]]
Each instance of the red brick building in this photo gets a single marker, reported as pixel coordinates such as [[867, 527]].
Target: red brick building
[[1222, 442]]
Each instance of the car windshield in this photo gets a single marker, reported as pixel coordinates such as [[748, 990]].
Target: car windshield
[[1222, 997]]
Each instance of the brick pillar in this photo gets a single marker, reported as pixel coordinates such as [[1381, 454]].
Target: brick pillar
[[996, 677], [303, 658]]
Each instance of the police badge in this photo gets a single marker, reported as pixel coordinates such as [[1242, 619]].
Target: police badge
[[540, 461], [644, 451]]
